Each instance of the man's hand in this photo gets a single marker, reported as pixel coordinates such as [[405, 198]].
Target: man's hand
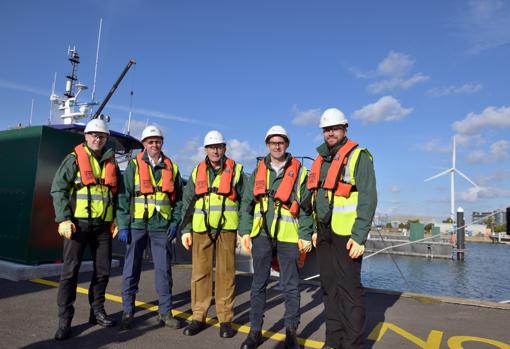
[[124, 236], [314, 240], [304, 245], [66, 229], [246, 243], [114, 229], [355, 250], [187, 240]]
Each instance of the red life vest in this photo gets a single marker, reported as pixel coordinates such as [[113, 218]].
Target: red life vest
[[146, 186], [332, 181], [284, 189], [225, 188], [87, 174]]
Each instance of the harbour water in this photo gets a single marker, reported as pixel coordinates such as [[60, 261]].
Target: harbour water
[[483, 275]]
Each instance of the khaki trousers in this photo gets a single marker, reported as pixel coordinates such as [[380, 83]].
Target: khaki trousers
[[203, 251]]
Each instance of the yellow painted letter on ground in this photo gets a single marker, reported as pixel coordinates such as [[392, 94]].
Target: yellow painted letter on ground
[[433, 341], [455, 342]]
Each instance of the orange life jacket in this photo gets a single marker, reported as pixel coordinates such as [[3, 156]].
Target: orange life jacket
[[146, 186], [87, 174], [225, 188], [332, 181], [285, 188]]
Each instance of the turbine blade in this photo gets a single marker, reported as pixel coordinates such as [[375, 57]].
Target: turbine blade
[[439, 175], [466, 178]]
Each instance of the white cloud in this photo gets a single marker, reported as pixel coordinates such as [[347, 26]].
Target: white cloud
[[395, 64], [188, 156], [491, 117], [20, 87], [242, 152], [485, 24], [386, 108], [306, 117], [433, 146], [478, 193], [498, 151], [396, 83], [452, 90], [394, 189], [499, 176], [471, 140], [135, 128]]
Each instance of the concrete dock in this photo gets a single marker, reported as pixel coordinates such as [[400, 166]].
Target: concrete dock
[[28, 318]]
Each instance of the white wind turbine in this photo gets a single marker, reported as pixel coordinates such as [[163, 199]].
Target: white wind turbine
[[451, 171]]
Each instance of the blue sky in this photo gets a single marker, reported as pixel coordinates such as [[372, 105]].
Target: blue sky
[[408, 75]]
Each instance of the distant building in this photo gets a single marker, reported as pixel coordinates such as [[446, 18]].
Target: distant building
[[480, 217]]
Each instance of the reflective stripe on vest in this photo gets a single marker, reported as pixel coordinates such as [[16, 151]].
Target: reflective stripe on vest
[[288, 223], [158, 198], [211, 200], [94, 187]]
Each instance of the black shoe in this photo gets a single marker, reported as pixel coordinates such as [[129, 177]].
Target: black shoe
[[193, 328], [226, 330], [63, 333], [100, 318], [327, 347], [252, 341], [169, 320], [127, 322], [291, 341]]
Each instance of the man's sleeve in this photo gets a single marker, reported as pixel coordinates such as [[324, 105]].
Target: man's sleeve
[[246, 209], [187, 198], [305, 218], [176, 213], [367, 198], [124, 199], [61, 188]]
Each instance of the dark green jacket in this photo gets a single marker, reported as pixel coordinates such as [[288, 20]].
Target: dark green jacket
[[63, 182], [247, 205], [189, 192], [157, 222], [367, 193]]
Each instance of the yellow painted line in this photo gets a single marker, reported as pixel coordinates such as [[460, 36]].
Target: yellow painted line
[[187, 316]]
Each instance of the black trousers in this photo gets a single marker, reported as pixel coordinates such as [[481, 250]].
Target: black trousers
[[98, 237], [342, 290]]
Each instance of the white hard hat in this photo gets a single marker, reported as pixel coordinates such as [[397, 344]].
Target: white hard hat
[[151, 131], [97, 125], [333, 117], [213, 137], [277, 130]]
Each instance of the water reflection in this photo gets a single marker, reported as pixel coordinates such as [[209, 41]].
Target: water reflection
[[483, 275]]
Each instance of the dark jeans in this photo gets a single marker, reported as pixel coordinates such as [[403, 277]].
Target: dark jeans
[[288, 255], [162, 260], [99, 239], [343, 293]]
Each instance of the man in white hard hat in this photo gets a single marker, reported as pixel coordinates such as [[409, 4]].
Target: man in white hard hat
[[149, 210], [273, 225], [211, 205], [84, 192], [344, 197]]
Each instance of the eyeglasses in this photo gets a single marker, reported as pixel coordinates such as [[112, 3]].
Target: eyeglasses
[[276, 144], [215, 146], [100, 136]]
